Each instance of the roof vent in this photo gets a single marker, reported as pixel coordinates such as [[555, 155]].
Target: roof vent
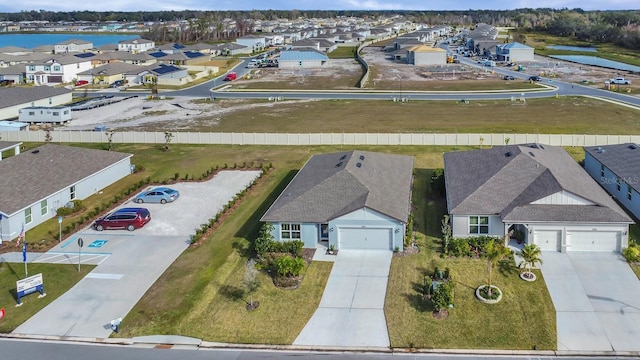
[[359, 165], [508, 154], [541, 147], [339, 164], [535, 146], [532, 154], [343, 157], [632, 147], [361, 157], [35, 151]]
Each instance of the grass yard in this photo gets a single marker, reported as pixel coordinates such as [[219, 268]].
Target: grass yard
[[343, 52], [492, 82], [57, 279], [524, 319], [570, 115], [310, 79]]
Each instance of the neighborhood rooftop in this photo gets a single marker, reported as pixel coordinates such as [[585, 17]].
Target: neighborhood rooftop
[[46, 170], [506, 180], [622, 159], [331, 185], [19, 95]]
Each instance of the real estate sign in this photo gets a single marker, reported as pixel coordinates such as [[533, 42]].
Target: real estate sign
[[30, 285]]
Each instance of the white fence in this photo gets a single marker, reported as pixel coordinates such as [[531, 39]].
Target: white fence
[[65, 136]]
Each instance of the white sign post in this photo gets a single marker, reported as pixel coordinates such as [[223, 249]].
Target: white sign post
[[80, 245]]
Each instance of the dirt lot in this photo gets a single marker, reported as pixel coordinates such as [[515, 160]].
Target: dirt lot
[[184, 114]]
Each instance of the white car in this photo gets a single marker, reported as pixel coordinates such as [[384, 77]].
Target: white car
[[620, 81]]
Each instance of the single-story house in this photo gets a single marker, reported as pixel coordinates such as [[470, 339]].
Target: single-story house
[[426, 55], [537, 189], [617, 169], [255, 42], [107, 73], [14, 98], [351, 200], [514, 51], [136, 45], [45, 114], [34, 184], [13, 126], [13, 73], [72, 45], [301, 58]]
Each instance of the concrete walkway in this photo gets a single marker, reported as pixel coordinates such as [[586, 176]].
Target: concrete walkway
[[351, 311], [597, 301]]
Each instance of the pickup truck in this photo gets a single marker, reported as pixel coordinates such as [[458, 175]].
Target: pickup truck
[[620, 81]]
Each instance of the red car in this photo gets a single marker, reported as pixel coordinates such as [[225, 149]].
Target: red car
[[81, 82], [230, 76], [125, 218]]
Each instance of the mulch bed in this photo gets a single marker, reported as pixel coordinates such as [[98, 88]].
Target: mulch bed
[[442, 314]]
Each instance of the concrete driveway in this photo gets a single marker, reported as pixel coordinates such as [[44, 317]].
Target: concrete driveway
[[128, 263], [351, 311], [597, 301]]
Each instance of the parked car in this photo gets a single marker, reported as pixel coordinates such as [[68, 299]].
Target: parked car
[[620, 81], [508, 77], [6, 82], [81, 82], [125, 218], [160, 195], [534, 78], [116, 84]]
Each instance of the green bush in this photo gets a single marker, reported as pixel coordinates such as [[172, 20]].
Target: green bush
[[631, 253], [289, 266], [262, 243], [442, 295], [459, 247], [293, 247]]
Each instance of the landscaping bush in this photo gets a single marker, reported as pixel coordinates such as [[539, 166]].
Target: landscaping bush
[[459, 247], [289, 266], [293, 247], [264, 239], [632, 253], [442, 295]]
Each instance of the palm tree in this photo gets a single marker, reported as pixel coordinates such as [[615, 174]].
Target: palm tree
[[495, 253], [531, 255]]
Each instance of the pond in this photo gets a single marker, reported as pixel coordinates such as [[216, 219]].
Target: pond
[[596, 61], [572, 48]]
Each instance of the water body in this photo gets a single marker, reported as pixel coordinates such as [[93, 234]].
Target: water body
[[596, 61], [572, 48], [31, 41]]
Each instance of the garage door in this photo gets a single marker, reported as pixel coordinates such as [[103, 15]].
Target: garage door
[[365, 238], [54, 79], [547, 240], [593, 240]]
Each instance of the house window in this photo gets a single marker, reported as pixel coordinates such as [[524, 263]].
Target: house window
[[44, 208], [628, 191], [32, 113], [32, 68], [47, 68], [55, 113], [50, 102], [72, 192], [618, 183], [27, 216], [56, 68], [602, 171], [290, 231], [478, 224]]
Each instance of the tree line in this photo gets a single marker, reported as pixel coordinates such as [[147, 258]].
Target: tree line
[[618, 27]]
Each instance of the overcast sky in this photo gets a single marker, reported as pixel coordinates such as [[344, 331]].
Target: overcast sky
[[155, 5]]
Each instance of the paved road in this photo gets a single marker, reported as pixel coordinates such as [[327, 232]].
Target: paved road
[[22, 349]]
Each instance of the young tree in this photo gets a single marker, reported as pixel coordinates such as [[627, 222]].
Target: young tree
[[110, 139], [264, 239], [531, 255], [251, 283], [495, 253], [167, 140], [446, 233]]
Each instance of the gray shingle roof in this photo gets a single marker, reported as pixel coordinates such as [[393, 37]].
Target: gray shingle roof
[[331, 185], [30, 177], [11, 96], [623, 160], [113, 68], [505, 180]]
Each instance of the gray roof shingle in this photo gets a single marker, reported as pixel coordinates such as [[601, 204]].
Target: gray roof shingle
[[32, 176], [506, 180], [622, 159], [11, 96], [331, 185]]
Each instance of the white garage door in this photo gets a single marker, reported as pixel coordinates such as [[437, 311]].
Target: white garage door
[[547, 240], [593, 240], [364, 238]]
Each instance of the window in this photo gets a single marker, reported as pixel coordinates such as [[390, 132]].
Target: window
[[478, 224], [290, 231], [56, 68], [602, 171], [55, 113], [618, 183], [32, 68], [628, 191], [44, 208], [50, 101], [27, 216], [47, 68], [32, 113], [72, 192]]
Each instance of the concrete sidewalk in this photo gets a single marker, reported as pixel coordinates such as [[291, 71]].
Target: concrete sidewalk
[[351, 311]]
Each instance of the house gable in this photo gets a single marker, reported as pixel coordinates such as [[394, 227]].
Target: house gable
[[563, 198]]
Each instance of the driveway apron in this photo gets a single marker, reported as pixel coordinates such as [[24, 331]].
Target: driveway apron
[[597, 301], [351, 311]]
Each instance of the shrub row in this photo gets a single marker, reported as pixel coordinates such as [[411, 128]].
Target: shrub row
[[632, 253], [470, 246]]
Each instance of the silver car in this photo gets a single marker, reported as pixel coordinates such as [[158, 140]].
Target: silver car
[[160, 195]]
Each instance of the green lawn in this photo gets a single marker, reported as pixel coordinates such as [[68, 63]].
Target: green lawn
[[343, 52], [568, 115], [57, 279]]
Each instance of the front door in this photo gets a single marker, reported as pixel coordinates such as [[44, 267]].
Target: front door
[[324, 232]]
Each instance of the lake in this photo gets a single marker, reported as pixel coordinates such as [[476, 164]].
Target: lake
[[572, 48], [596, 61], [31, 41]]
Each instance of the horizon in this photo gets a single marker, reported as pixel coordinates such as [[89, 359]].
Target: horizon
[[7, 6]]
